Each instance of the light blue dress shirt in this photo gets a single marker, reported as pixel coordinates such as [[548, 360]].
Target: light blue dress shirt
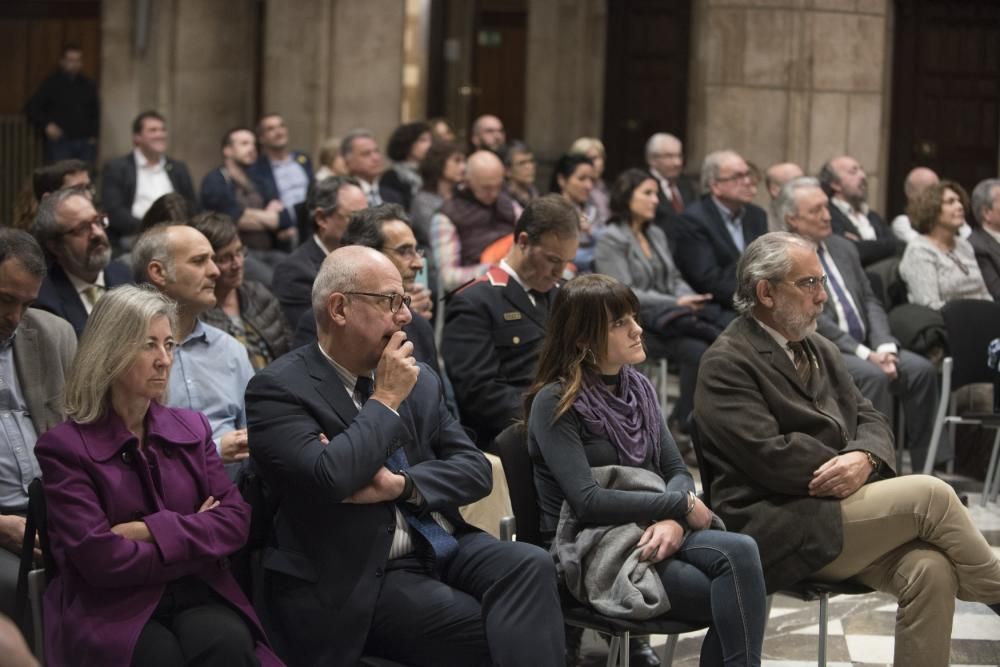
[[734, 224], [210, 374], [17, 436]]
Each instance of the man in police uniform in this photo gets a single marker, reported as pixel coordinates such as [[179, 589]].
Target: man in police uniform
[[494, 325]]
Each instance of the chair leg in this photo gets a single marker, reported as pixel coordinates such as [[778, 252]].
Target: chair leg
[[623, 654], [824, 604], [668, 651], [942, 411], [991, 469], [900, 433]]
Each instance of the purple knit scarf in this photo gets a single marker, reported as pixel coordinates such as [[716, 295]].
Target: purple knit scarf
[[629, 418]]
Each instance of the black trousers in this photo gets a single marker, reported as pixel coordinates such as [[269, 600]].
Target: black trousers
[[494, 603], [194, 626]]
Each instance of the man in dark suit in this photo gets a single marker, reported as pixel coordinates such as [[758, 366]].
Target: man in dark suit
[[131, 183], [73, 234], [803, 463], [253, 204], [494, 325], [283, 170], [985, 237], [715, 229], [386, 228], [330, 205], [855, 321], [846, 184], [369, 553], [36, 350], [665, 159]]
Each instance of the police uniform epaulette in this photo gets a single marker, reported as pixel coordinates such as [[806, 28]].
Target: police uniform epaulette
[[497, 277]]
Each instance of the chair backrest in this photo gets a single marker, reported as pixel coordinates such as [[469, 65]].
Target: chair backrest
[[971, 325], [512, 444], [703, 468]]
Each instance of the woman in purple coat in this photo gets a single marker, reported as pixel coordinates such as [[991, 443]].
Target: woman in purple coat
[[141, 514]]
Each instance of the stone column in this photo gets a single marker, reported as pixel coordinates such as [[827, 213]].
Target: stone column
[[334, 65], [196, 70], [797, 80]]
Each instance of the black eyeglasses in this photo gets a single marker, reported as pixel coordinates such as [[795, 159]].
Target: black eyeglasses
[[86, 227], [738, 176], [396, 301]]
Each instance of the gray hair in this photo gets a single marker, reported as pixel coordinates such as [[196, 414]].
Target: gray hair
[[45, 227], [710, 167], [20, 245], [982, 197], [347, 143], [656, 140], [115, 333], [153, 246], [767, 258], [335, 275], [786, 203]]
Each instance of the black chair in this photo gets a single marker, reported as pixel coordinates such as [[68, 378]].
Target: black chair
[[519, 470], [970, 324], [807, 591], [31, 581]]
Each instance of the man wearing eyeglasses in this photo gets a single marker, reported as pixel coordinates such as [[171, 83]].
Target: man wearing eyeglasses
[[494, 325], [802, 462], [714, 231], [73, 235], [369, 553], [853, 318]]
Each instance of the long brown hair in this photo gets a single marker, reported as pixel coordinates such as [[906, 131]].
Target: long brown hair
[[576, 336]]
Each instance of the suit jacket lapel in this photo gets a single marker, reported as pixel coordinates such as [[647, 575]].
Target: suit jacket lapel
[[517, 296], [28, 366], [718, 227], [329, 385], [75, 311], [843, 263], [766, 346]]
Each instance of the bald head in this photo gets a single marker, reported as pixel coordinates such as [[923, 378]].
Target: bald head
[[918, 180], [484, 173], [778, 174], [343, 271]]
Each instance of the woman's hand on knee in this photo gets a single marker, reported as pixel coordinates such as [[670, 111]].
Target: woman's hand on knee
[[660, 541]]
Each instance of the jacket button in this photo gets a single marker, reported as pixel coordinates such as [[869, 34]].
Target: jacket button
[[378, 572], [517, 340], [390, 528], [127, 457]]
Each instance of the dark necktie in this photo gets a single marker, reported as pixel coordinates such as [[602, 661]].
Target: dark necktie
[[855, 327], [801, 360], [541, 301], [441, 542], [675, 199]]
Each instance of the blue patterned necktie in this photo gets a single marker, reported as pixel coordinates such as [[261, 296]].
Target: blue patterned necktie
[[442, 543], [854, 326]]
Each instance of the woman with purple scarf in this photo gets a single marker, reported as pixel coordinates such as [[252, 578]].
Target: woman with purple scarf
[[588, 408]]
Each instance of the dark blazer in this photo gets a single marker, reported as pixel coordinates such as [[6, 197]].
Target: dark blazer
[[218, 193], [988, 257], [705, 252], [59, 297], [492, 339], [118, 182], [293, 279], [885, 244], [419, 332], [845, 255], [777, 430], [44, 348], [107, 587], [327, 557], [262, 175], [664, 207]]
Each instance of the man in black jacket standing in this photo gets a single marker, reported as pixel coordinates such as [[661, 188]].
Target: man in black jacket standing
[[65, 110]]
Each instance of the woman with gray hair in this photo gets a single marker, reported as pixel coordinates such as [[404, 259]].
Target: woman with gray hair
[[141, 514]]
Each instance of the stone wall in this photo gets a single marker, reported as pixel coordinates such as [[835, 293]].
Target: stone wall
[[797, 80]]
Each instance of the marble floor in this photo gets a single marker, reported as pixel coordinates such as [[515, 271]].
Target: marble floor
[[860, 627]]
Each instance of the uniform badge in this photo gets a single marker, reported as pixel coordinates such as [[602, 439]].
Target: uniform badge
[[510, 317]]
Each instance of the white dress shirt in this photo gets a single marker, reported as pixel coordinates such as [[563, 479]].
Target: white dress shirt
[[151, 183]]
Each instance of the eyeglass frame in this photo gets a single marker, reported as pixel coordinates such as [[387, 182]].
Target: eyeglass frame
[[100, 219], [740, 176], [408, 251], [809, 283], [404, 299], [228, 260]]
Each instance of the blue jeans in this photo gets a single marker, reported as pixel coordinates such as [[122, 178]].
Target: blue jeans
[[716, 578]]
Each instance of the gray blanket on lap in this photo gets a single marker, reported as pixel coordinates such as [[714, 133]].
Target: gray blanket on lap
[[600, 564]]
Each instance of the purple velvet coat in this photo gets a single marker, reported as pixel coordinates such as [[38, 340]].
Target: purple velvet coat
[[107, 586]]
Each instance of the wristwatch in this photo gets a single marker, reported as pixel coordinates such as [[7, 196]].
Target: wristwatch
[[875, 462], [691, 500]]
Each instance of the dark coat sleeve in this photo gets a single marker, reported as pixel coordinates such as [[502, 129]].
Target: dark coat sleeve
[[117, 192], [181, 180], [217, 195]]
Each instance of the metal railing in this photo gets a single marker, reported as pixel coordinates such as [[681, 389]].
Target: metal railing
[[20, 154]]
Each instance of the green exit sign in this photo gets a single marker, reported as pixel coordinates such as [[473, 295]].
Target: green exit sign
[[490, 39]]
